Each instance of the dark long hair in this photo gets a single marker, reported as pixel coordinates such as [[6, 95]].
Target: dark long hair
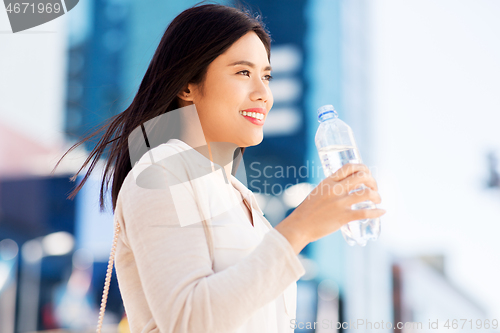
[[190, 43]]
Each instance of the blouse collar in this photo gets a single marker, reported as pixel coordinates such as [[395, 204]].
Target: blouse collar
[[203, 161]]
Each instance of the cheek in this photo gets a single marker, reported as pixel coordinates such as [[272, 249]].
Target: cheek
[[221, 118], [224, 87]]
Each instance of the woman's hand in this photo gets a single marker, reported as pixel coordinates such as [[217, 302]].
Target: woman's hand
[[328, 206]]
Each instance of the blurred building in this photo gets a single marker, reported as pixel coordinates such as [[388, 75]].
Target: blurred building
[[425, 300], [96, 49]]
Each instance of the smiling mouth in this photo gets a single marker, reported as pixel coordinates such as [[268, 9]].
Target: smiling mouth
[[255, 115]]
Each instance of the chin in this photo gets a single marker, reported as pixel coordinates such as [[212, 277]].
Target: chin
[[254, 141]]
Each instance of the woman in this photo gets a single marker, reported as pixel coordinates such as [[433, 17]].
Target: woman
[[194, 252]]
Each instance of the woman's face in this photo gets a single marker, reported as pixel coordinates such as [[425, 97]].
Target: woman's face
[[230, 88]]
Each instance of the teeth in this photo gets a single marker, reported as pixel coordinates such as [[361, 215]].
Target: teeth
[[255, 115]]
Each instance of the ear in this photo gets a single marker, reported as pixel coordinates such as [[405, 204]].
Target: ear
[[186, 94]]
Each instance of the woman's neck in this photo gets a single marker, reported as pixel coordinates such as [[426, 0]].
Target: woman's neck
[[220, 153]]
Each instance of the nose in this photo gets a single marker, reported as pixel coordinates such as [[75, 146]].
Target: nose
[[261, 91]]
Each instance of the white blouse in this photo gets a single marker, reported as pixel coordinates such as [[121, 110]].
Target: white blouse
[[162, 259]]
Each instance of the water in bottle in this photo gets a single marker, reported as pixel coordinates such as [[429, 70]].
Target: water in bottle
[[336, 147]]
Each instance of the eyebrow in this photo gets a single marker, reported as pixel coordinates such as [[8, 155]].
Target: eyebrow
[[248, 63]]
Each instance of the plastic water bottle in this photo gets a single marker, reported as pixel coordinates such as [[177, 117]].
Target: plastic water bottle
[[336, 147]]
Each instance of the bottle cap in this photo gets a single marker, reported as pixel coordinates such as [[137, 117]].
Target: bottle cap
[[327, 110]]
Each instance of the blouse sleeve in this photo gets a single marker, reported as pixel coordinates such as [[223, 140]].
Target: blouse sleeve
[[182, 291]]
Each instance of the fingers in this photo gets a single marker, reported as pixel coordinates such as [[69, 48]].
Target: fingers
[[362, 214], [356, 179], [349, 177], [348, 169], [360, 196]]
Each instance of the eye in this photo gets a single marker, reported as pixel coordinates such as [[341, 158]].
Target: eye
[[243, 71], [269, 77]]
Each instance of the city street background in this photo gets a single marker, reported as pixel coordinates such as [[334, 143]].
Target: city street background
[[417, 81]]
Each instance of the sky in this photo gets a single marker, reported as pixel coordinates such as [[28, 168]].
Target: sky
[[435, 82], [33, 67]]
